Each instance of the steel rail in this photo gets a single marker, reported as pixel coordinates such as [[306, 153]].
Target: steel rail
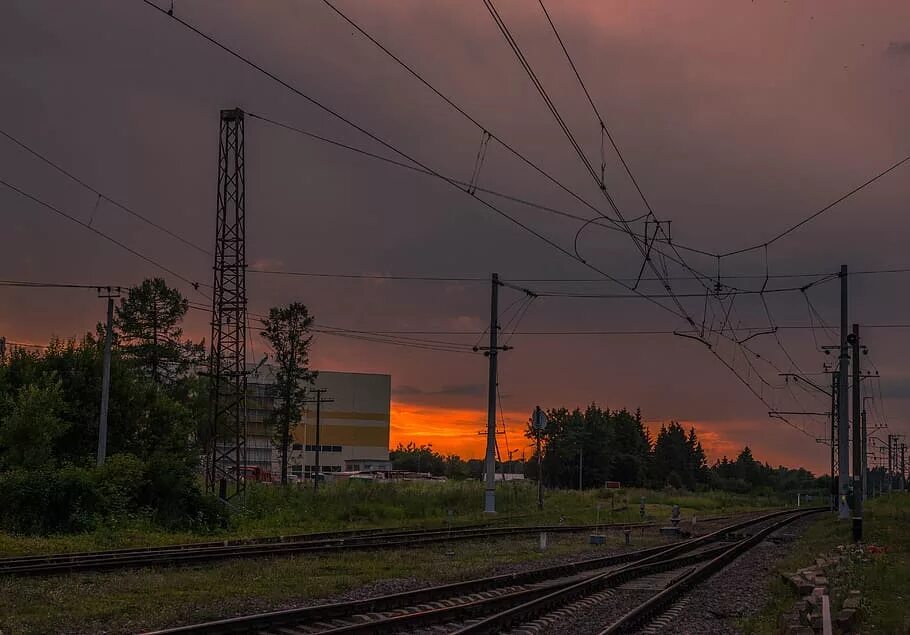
[[327, 612], [63, 563], [660, 602], [515, 615]]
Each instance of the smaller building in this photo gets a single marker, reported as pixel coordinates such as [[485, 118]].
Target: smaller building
[[367, 465]]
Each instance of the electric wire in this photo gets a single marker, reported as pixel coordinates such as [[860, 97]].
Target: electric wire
[[102, 196], [384, 143], [107, 237]]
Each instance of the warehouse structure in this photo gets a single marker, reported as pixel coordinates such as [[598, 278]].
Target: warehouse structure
[[353, 427]]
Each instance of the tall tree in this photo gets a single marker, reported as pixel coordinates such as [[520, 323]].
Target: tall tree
[[148, 331], [287, 330]]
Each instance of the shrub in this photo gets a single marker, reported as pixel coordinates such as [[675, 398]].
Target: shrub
[[45, 500], [171, 491]]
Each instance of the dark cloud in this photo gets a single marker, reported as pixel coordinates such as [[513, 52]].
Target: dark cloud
[[728, 137]]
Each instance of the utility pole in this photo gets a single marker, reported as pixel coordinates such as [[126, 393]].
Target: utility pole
[[865, 438], [319, 400], [581, 458], [890, 478], [539, 421], [106, 373], [489, 501], [843, 432], [835, 487], [903, 480], [858, 441]]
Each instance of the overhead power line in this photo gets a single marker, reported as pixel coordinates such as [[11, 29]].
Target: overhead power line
[[599, 221], [98, 232], [486, 279], [57, 285], [391, 147], [821, 211], [102, 195]]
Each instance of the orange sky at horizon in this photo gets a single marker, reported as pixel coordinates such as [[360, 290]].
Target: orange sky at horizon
[[457, 431]]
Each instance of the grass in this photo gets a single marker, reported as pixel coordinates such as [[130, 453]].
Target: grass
[[884, 579], [285, 511], [117, 602], [121, 602]]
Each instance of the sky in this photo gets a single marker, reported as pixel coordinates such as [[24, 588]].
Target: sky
[[737, 119]]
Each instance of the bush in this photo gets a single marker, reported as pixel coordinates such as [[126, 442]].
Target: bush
[[72, 499], [48, 501], [121, 480], [171, 491]]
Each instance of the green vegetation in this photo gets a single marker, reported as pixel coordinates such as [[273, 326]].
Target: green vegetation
[[617, 447], [49, 418], [129, 602], [883, 578], [274, 511], [287, 330], [145, 599]]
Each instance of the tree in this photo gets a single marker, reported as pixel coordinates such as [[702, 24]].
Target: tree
[[31, 425], [147, 324], [414, 458], [287, 329]]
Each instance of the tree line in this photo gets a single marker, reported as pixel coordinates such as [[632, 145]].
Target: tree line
[[587, 448], [159, 428]]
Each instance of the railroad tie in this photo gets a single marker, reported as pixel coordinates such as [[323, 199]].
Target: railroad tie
[[666, 618], [547, 621]]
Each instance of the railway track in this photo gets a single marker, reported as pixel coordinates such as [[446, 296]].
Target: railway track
[[483, 605], [685, 572], [307, 543], [646, 617]]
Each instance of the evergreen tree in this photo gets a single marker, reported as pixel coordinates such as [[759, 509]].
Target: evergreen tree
[[147, 326]]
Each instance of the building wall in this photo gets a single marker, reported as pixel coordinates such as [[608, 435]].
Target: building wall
[[355, 425]]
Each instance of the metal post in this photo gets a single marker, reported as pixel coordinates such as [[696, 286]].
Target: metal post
[[319, 400], [539, 476], [890, 477], [318, 440], [106, 382], [865, 460], [843, 432], [489, 504], [903, 472], [581, 458], [857, 441], [834, 484]]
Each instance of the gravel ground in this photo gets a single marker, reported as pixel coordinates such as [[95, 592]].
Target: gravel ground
[[399, 585], [593, 620], [712, 609], [738, 590]]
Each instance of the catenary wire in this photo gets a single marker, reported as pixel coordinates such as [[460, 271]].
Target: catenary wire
[[107, 237], [101, 195]]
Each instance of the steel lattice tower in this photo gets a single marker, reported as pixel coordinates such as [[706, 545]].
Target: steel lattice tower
[[227, 359]]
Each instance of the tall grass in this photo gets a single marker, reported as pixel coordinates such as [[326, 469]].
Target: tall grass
[[272, 510], [357, 504]]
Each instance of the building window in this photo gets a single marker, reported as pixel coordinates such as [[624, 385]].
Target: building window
[[323, 448], [297, 446]]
